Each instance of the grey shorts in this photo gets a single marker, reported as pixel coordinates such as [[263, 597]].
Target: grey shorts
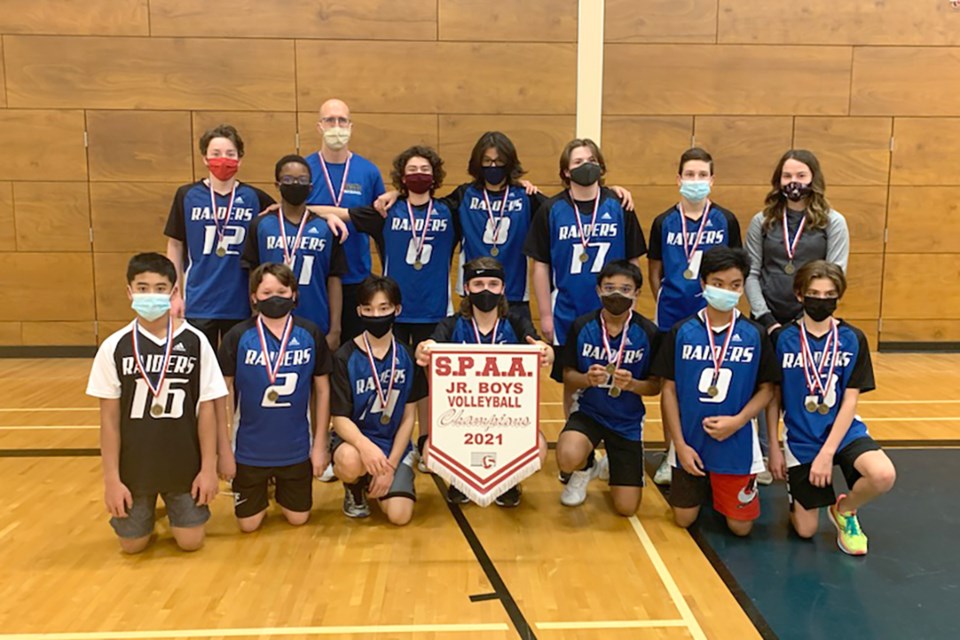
[[182, 511], [403, 477]]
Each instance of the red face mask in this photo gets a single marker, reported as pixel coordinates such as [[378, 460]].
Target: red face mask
[[418, 182], [223, 168]]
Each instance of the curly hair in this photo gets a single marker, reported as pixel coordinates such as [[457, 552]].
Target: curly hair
[[422, 151], [505, 151]]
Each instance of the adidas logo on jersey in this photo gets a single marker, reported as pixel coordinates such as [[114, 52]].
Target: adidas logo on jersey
[[179, 347], [294, 342], [736, 338], [238, 200], [313, 230], [606, 216]]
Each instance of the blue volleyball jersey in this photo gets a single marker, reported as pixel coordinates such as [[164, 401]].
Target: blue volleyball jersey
[[273, 433], [362, 187], [456, 329], [425, 292], [806, 432], [679, 296], [554, 238], [214, 287], [318, 257], [626, 413], [511, 231], [355, 393], [685, 358]]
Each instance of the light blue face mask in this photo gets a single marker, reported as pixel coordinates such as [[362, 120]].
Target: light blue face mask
[[694, 190], [151, 306], [721, 299]]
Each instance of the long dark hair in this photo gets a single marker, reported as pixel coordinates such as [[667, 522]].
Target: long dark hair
[[818, 207], [506, 152]]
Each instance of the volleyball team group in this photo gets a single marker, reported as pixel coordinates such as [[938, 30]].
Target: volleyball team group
[[264, 350]]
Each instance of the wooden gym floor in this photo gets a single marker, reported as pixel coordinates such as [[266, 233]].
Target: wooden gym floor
[[539, 571]]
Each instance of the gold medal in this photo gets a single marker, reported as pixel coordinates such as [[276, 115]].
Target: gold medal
[[712, 391], [385, 419], [221, 251], [688, 274], [614, 392], [272, 395], [611, 368], [494, 252], [156, 410], [811, 406], [418, 265], [823, 409], [789, 268], [584, 257]]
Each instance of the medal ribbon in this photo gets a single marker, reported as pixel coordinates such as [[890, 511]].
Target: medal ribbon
[[811, 370], [493, 336], [791, 247], [413, 227], [221, 228], [290, 253], [618, 358], [167, 352], [495, 222], [718, 359], [690, 250], [383, 397], [584, 240], [336, 197], [274, 369]]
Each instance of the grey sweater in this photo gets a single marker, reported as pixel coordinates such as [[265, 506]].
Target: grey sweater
[[769, 288]]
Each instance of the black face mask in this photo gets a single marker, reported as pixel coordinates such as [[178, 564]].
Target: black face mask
[[485, 300], [276, 306], [616, 303], [295, 194], [819, 309], [494, 175], [586, 174], [377, 326], [795, 191]]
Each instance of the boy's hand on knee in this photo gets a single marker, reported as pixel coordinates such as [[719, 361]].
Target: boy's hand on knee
[[690, 460], [118, 499], [205, 487]]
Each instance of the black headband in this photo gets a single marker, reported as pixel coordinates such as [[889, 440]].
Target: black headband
[[470, 274]]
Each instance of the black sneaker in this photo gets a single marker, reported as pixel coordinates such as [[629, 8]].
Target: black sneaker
[[509, 498], [354, 507], [455, 496]]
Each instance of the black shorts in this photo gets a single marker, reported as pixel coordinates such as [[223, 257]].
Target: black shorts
[[214, 328], [556, 372], [520, 309], [349, 321], [413, 333], [626, 456], [294, 488], [800, 490]]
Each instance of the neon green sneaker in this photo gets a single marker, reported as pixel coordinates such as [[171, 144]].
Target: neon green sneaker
[[850, 537]]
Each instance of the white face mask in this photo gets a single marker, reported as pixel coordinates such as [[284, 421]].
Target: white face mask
[[336, 137]]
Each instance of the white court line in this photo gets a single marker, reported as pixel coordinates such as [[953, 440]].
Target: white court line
[[678, 600], [859, 402], [612, 624], [47, 427], [29, 409], [261, 631]]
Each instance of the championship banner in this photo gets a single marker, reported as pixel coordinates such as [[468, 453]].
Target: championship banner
[[484, 414]]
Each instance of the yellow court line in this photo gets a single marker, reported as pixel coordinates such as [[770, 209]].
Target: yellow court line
[[678, 600], [261, 631], [612, 624]]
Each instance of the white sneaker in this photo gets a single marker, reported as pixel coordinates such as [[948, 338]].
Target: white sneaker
[[664, 474], [328, 475], [765, 477], [602, 465]]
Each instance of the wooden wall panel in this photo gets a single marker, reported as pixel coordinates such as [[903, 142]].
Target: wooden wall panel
[[402, 77], [938, 330], [52, 216], [42, 145], [376, 137], [644, 150], [744, 201], [58, 333], [851, 151], [819, 22], [141, 146], [918, 286], [744, 150], [8, 229], [267, 137], [707, 79], [865, 209], [864, 281], [3, 80], [921, 146], [68, 17], [59, 286], [538, 139], [10, 334], [149, 73], [129, 218], [905, 81], [331, 19], [112, 303], [660, 21], [924, 220], [515, 21], [651, 201]]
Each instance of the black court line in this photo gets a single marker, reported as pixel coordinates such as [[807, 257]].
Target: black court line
[[49, 453], [481, 597], [499, 586]]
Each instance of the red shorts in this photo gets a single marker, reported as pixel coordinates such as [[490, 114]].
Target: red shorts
[[735, 496]]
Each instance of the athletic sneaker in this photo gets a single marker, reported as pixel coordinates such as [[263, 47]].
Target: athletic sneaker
[[664, 474], [603, 468], [455, 496], [328, 475], [850, 537], [575, 493], [765, 477], [352, 508], [509, 498]]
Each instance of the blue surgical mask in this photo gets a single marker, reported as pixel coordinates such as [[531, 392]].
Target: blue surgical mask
[[721, 299], [151, 306], [694, 190]]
